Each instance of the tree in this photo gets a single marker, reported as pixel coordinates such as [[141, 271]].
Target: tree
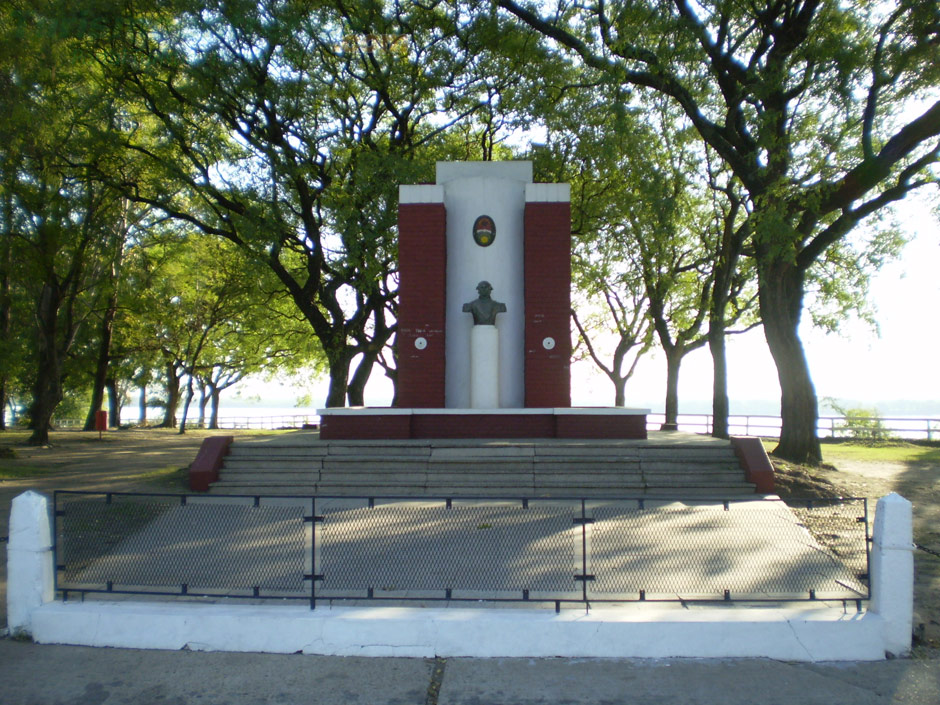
[[732, 295], [56, 212], [660, 236], [634, 337], [584, 144], [211, 315], [858, 422], [804, 101], [269, 337], [129, 219], [286, 128], [6, 292], [659, 249]]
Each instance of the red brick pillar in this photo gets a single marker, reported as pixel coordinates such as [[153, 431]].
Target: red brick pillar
[[422, 269], [547, 260]]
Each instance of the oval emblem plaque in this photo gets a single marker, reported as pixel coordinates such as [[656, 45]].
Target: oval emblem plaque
[[484, 231]]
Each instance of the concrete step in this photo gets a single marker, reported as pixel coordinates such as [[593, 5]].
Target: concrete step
[[469, 448], [692, 476], [298, 490], [494, 466], [240, 451], [483, 453], [420, 480], [362, 465], [467, 467], [669, 464], [276, 476], [242, 466]]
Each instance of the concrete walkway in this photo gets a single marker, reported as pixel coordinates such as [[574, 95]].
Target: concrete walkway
[[61, 675], [658, 438]]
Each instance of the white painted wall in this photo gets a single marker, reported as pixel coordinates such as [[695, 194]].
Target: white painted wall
[[30, 571], [496, 189], [640, 631], [892, 571]]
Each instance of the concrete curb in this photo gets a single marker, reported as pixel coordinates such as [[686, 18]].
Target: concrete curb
[[647, 631], [204, 470], [757, 466]]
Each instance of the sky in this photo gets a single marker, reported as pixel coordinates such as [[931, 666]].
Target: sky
[[856, 366]]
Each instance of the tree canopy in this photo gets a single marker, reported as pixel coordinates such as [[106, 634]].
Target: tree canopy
[[251, 150], [807, 102]]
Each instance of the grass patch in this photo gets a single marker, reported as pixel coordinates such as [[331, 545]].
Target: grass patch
[[882, 452], [874, 451], [794, 480], [9, 471], [168, 478]]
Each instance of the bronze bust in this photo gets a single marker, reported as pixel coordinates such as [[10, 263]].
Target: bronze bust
[[483, 308]]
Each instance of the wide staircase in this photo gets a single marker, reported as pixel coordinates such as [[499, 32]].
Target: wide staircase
[[667, 464]]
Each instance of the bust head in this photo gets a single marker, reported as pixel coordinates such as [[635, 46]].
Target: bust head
[[484, 289]]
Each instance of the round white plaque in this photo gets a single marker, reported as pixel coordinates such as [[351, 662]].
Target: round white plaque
[[548, 343], [421, 343]]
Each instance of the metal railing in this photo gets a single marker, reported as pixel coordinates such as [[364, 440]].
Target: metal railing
[[767, 426], [242, 421], [274, 422], [764, 425], [490, 550]]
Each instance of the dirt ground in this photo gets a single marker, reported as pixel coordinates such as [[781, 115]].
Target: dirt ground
[[154, 460], [135, 460], [916, 481]]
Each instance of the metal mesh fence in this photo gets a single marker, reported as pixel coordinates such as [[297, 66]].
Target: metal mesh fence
[[538, 549], [130, 543], [750, 550], [413, 549]]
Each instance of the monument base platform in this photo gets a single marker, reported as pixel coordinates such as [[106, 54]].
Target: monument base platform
[[373, 423]]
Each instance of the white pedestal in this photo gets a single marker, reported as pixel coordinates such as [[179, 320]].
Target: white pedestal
[[484, 367]]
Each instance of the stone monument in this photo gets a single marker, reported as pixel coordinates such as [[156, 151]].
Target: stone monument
[[484, 221], [504, 370]]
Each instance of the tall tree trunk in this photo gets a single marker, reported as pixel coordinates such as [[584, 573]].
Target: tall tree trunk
[[105, 334], [47, 390], [620, 390], [6, 302], [214, 408], [5, 320], [673, 362], [339, 376], [720, 403], [114, 402], [142, 405], [189, 399], [356, 389], [616, 373], [781, 303], [203, 400], [172, 397], [392, 373]]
